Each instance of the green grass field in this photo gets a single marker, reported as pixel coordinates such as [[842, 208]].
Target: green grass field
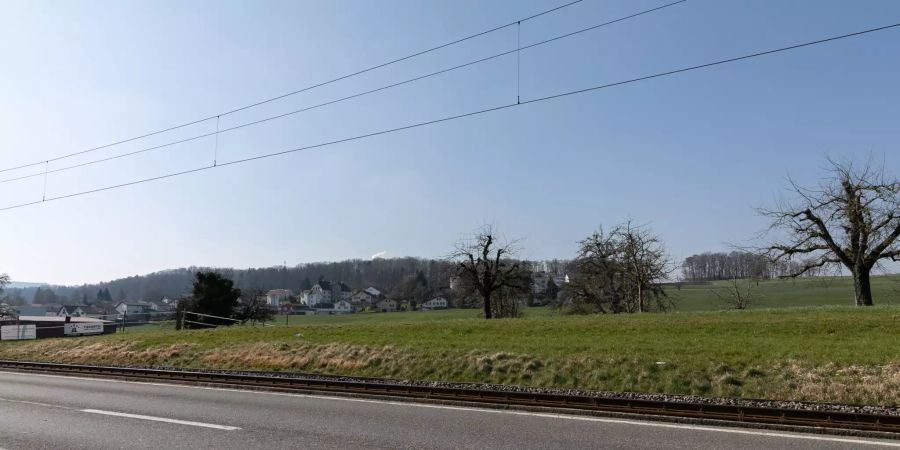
[[821, 353], [819, 291]]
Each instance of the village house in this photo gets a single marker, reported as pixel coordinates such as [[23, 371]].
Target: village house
[[79, 311], [340, 291], [316, 296], [386, 305], [70, 311], [435, 303], [131, 308], [344, 306], [362, 297], [275, 297]]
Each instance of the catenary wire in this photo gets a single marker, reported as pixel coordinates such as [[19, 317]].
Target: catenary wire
[[460, 116], [288, 94], [342, 99]]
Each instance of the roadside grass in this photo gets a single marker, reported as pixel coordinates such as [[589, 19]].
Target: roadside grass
[[399, 316], [840, 354]]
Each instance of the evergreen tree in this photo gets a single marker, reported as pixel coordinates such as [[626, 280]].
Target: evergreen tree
[[213, 294]]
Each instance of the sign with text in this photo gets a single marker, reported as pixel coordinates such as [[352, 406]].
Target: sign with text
[[79, 328], [17, 332]]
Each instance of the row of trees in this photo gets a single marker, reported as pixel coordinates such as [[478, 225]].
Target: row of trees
[[615, 271], [741, 264], [725, 266]]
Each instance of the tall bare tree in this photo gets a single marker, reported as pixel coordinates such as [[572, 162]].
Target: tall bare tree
[[252, 307], [485, 265], [619, 271], [644, 261], [851, 219]]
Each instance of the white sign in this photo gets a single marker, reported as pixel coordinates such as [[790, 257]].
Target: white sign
[[79, 328], [17, 332]]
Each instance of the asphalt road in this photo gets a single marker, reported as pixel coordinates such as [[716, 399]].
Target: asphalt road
[[52, 412]]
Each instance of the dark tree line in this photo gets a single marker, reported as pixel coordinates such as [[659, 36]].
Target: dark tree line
[[737, 265], [386, 274]]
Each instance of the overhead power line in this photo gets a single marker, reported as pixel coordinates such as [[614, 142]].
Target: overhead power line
[[305, 89], [469, 114], [46, 172]]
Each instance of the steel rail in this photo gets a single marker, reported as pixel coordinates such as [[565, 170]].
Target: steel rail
[[583, 403]]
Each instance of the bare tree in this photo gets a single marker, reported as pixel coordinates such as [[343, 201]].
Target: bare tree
[[851, 219], [619, 272], [485, 266], [252, 307], [734, 296], [645, 264], [595, 283]]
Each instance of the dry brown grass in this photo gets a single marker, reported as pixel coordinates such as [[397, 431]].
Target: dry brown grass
[[850, 384]]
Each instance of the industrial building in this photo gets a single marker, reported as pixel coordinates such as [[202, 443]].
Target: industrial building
[[39, 327]]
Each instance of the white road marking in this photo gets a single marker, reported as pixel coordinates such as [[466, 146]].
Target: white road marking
[[812, 437], [160, 419]]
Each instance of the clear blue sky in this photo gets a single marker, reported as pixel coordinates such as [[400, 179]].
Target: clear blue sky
[[691, 155]]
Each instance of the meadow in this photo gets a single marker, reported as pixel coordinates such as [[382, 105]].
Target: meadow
[[818, 351]]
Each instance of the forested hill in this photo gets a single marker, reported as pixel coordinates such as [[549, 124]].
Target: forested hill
[[386, 274]]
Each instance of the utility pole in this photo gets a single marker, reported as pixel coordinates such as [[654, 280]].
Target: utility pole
[[284, 284]]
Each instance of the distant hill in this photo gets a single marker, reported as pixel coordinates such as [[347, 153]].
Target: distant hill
[[393, 275], [24, 285], [385, 274]]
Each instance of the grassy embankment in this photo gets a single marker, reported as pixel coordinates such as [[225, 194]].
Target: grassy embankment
[[829, 353]]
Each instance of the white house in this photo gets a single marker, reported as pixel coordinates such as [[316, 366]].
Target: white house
[[133, 308], [373, 292], [362, 297], [386, 305], [316, 296], [435, 303], [344, 306], [70, 311], [276, 296]]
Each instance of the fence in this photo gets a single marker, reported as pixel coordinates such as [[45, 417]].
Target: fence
[[198, 320]]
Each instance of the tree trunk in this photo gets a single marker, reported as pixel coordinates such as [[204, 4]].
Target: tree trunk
[[640, 299], [862, 287], [488, 313]]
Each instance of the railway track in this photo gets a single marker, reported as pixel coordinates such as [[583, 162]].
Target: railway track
[[826, 420]]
